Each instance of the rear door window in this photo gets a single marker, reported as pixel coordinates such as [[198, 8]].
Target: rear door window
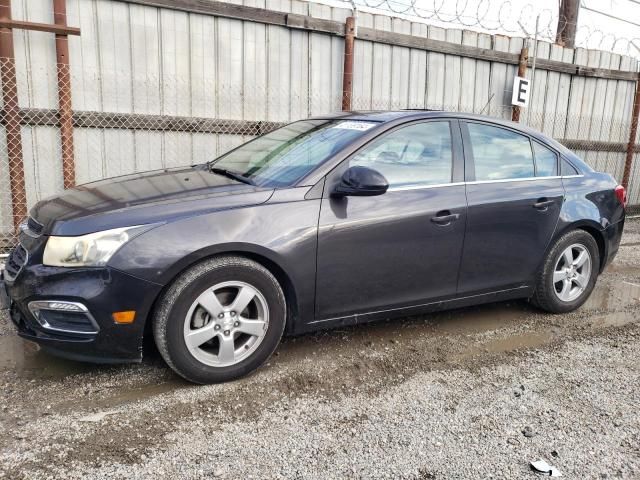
[[500, 154]]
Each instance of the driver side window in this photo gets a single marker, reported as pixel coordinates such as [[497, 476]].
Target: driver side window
[[417, 155]]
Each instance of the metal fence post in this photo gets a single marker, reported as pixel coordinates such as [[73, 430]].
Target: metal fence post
[[64, 96], [522, 71], [12, 118], [347, 78], [632, 137]]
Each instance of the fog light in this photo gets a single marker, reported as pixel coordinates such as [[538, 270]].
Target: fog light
[[127, 316], [60, 316]]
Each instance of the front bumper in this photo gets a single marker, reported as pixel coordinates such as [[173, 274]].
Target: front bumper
[[103, 291]]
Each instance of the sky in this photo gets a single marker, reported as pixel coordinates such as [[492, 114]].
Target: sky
[[518, 18]]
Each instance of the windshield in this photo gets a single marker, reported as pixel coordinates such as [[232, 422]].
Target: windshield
[[284, 156]]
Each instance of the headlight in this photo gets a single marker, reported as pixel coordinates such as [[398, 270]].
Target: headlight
[[94, 249]]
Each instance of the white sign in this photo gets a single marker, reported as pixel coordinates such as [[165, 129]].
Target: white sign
[[355, 125], [520, 95]]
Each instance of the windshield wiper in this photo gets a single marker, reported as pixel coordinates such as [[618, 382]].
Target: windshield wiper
[[231, 174]]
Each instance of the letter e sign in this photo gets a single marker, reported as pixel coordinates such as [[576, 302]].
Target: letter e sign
[[520, 96]]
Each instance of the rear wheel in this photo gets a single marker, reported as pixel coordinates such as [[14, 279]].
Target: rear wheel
[[220, 320], [568, 274]]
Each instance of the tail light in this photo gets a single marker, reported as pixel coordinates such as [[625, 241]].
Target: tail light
[[621, 195]]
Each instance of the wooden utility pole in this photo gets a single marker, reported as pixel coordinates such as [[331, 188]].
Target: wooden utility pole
[[64, 96], [568, 23], [347, 78], [522, 72], [633, 133]]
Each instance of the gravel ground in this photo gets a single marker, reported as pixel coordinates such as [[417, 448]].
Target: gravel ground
[[473, 393]]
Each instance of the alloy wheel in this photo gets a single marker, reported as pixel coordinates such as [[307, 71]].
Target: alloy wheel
[[572, 272], [226, 323]]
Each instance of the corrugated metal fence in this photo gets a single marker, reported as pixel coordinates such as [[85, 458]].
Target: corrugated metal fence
[[159, 83]]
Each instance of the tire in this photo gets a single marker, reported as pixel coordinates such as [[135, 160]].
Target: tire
[[554, 297], [203, 297]]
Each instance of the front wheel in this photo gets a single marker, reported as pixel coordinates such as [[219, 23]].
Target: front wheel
[[220, 320], [568, 274]]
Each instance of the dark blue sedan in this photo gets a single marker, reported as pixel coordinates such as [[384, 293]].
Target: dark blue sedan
[[328, 221]]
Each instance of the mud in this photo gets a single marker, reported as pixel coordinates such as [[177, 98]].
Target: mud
[[608, 306]]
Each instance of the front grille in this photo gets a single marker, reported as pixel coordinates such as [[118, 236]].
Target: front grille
[[34, 227], [16, 262]]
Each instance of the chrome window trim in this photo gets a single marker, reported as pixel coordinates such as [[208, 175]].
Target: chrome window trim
[[527, 179], [480, 182], [422, 187], [47, 305], [504, 180]]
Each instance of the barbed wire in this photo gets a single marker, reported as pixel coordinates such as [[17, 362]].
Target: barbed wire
[[505, 18]]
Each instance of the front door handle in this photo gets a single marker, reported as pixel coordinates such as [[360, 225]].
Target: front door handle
[[543, 204], [445, 217]]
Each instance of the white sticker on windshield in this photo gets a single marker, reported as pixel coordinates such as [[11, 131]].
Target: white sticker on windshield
[[350, 125]]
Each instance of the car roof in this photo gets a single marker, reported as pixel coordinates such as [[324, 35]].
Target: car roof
[[385, 116]]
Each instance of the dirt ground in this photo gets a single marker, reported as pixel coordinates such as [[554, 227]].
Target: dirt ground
[[471, 393]]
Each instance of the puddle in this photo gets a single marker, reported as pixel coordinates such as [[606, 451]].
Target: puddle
[[127, 395], [482, 318], [617, 319], [508, 344], [31, 362], [614, 297], [624, 269], [517, 342], [610, 297]]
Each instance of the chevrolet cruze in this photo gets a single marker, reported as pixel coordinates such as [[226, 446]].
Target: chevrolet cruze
[[329, 221]]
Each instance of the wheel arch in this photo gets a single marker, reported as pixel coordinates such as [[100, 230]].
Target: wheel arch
[[592, 228], [267, 258]]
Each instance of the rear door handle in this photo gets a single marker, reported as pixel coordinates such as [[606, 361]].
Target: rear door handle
[[445, 217], [543, 204]]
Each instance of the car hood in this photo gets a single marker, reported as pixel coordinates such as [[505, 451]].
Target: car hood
[[143, 198]]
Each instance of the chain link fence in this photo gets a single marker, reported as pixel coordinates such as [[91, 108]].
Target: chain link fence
[[45, 145]]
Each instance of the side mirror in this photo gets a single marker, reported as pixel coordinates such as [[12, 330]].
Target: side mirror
[[361, 182]]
